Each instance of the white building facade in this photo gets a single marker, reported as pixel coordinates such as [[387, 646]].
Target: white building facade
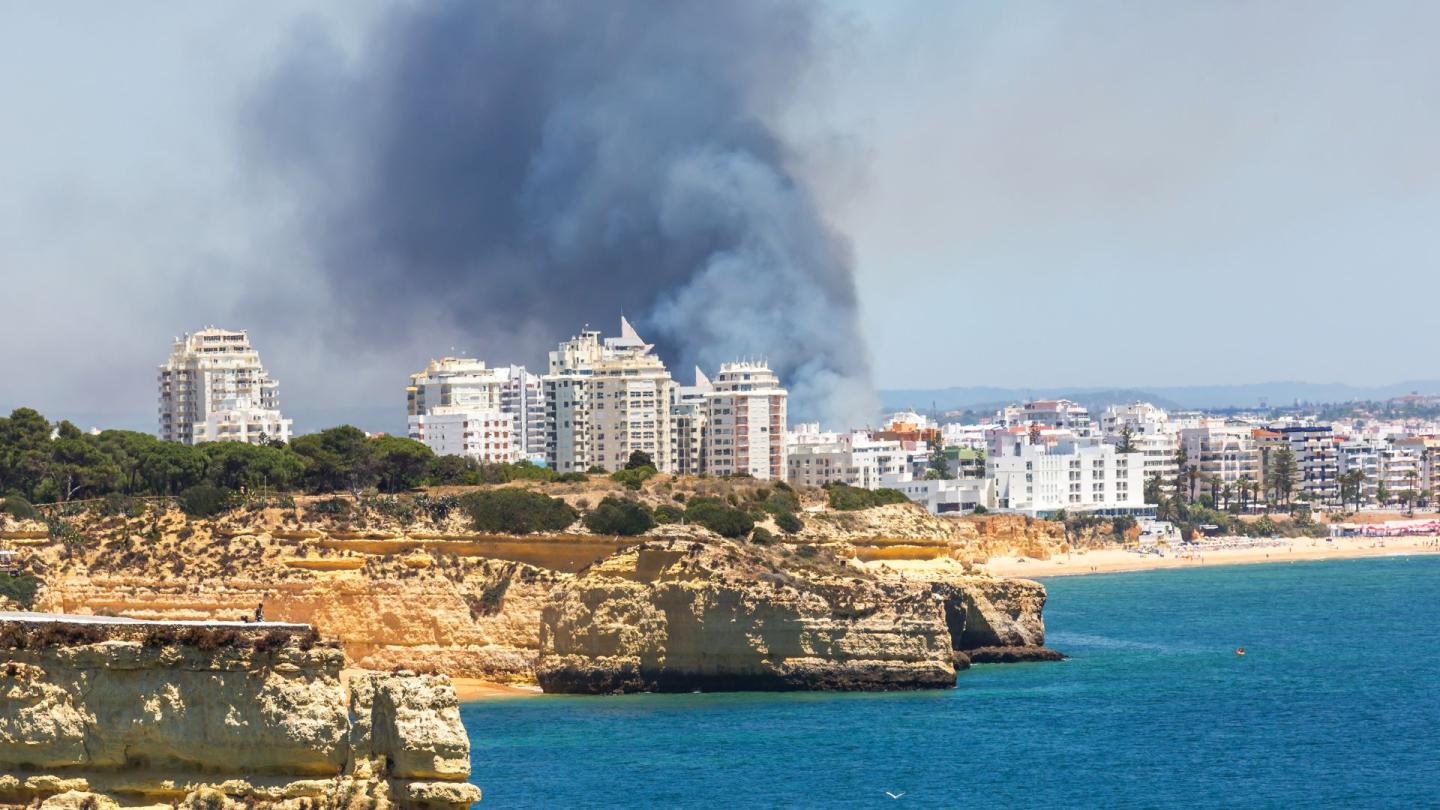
[[605, 399], [1064, 474], [214, 388], [459, 406], [744, 429]]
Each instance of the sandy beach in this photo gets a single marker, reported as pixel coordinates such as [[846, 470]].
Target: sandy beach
[[1113, 560], [476, 689]]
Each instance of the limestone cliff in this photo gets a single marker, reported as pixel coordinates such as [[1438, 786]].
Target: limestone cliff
[[667, 616], [140, 713], [427, 593]]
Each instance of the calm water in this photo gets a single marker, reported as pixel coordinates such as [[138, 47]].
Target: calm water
[[1337, 704]]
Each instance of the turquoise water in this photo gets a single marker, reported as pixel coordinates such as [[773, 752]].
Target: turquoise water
[[1336, 704]]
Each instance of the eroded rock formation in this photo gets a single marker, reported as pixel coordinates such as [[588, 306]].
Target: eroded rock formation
[[667, 616], [147, 714]]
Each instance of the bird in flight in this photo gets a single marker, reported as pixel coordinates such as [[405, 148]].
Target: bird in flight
[[894, 795]]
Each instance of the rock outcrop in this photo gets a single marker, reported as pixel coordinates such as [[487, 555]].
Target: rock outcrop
[[680, 617], [155, 713], [432, 594]]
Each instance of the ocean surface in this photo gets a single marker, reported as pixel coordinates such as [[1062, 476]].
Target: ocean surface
[[1335, 704]]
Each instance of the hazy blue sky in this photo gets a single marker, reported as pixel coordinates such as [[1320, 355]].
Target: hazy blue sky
[[1037, 194]]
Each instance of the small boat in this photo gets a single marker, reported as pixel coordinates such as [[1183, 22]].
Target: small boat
[[1239, 650]]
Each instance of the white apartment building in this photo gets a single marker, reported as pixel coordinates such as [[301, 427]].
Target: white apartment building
[[975, 437], [486, 436], [1317, 472], [1070, 474], [687, 425], [1152, 432], [1362, 456], [744, 425], [851, 458], [1048, 413], [213, 388], [1222, 453], [459, 406], [945, 496], [605, 400]]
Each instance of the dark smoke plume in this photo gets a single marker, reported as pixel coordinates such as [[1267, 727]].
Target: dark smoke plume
[[530, 167]]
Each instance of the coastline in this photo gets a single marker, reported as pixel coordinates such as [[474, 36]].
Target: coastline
[[1118, 560]]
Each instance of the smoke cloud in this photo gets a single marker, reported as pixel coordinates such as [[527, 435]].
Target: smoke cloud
[[519, 169]]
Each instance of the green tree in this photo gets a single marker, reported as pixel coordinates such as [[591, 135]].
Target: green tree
[[939, 463], [638, 459], [1182, 469], [789, 522], [400, 463], [337, 460], [251, 467], [77, 466], [1127, 441], [620, 516], [1382, 493], [24, 449], [1154, 489], [718, 517], [516, 511], [1282, 474]]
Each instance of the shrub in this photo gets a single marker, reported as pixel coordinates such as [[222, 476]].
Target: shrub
[[516, 511], [620, 516], [979, 510], [761, 536], [789, 522], [333, 507], [665, 513], [20, 589], [572, 478], [847, 498], [633, 477], [715, 515], [204, 500], [17, 507]]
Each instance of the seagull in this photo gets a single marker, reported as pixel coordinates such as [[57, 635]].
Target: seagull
[[894, 795]]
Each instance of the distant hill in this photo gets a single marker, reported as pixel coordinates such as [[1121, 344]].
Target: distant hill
[[1251, 395]]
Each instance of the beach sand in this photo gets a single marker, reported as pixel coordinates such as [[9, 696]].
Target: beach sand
[[475, 689], [1112, 560]]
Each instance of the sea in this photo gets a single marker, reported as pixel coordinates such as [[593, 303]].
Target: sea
[[1336, 703]]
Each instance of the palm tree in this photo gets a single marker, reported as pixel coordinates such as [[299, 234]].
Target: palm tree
[[1226, 493], [1243, 486]]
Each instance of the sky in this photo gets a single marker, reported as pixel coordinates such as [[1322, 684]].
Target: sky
[[1034, 195]]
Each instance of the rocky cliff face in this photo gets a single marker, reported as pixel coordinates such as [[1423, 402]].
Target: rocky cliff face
[[680, 616], [431, 595], [218, 717]]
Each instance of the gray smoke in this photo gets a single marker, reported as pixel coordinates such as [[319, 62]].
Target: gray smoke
[[530, 167]]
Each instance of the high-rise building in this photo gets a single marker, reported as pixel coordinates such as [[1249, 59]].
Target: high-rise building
[[745, 422], [605, 399], [213, 388], [459, 406], [688, 425]]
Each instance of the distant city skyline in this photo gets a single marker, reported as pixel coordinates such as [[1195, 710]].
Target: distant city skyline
[[1049, 196]]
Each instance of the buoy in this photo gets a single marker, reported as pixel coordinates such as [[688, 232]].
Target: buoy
[[1239, 650]]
